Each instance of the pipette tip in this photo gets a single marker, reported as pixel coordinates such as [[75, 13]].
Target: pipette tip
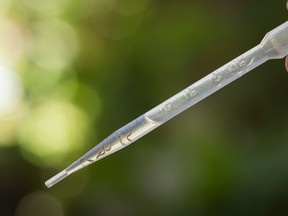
[[55, 179]]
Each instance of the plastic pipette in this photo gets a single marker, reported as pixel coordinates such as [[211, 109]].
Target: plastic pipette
[[273, 46]]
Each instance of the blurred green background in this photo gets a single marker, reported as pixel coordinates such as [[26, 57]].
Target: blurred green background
[[73, 72]]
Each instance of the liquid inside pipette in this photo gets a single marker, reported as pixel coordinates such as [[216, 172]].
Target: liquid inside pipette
[[274, 45]]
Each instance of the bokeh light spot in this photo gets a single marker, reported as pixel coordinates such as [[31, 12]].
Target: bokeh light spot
[[11, 92], [39, 203], [53, 44], [8, 132], [12, 42], [45, 8], [52, 130], [61, 84], [5, 5]]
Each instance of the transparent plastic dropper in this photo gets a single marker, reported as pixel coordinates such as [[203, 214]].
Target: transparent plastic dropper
[[273, 46]]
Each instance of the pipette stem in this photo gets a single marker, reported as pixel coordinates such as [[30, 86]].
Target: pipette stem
[[274, 45]]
